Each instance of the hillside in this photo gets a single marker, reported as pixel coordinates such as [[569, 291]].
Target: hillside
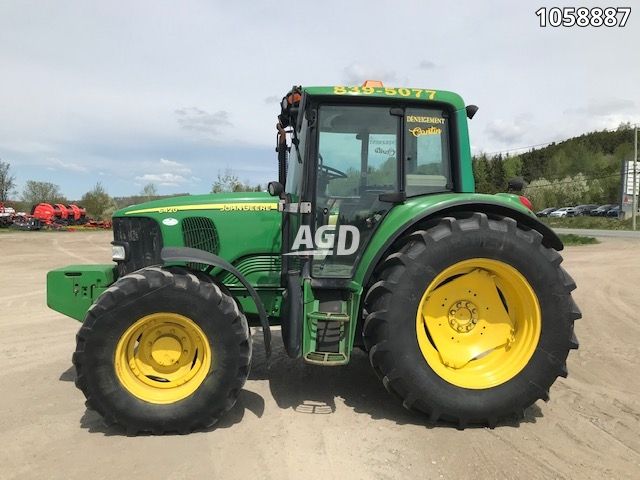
[[583, 169]]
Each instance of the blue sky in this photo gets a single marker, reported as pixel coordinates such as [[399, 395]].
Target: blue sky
[[128, 93]]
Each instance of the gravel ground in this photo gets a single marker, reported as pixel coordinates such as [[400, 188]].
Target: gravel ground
[[304, 421]]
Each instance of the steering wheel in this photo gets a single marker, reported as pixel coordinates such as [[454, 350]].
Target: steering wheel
[[330, 172]]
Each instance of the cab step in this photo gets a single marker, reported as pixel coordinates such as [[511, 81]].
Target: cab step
[[327, 334], [326, 359], [328, 317]]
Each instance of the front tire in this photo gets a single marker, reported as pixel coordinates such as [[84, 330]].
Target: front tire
[[162, 350], [471, 320]]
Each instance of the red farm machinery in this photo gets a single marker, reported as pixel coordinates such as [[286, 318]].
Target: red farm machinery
[[59, 214], [6, 215]]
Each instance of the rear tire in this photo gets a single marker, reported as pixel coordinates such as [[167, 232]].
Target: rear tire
[[179, 307], [404, 280]]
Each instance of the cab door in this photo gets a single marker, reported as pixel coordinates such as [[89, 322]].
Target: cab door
[[356, 162], [295, 210]]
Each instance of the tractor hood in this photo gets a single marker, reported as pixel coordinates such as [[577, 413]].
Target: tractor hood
[[243, 201], [239, 227]]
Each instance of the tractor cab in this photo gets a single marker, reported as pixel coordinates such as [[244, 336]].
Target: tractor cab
[[350, 155]]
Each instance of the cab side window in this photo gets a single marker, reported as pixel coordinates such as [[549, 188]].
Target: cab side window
[[427, 159]]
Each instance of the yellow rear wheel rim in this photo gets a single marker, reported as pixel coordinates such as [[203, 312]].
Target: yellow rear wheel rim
[[478, 323], [163, 358]]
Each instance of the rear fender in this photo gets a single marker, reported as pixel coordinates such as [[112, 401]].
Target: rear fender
[[549, 238]]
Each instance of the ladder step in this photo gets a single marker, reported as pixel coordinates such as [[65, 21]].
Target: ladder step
[[326, 359], [328, 316], [329, 325]]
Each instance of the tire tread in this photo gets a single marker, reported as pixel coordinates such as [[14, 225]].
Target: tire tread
[[381, 291]]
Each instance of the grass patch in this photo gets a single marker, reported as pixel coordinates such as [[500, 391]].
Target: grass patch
[[570, 239], [596, 223], [81, 228]]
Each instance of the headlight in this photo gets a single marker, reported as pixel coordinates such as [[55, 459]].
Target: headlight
[[118, 253]]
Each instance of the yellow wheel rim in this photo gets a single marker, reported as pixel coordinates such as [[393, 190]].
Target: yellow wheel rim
[[478, 323], [163, 358]]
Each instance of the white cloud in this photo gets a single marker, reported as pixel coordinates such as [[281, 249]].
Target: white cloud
[[356, 73], [603, 107], [426, 65], [510, 132], [56, 163], [199, 120], [173, 166], [167, 173], [163, 179]]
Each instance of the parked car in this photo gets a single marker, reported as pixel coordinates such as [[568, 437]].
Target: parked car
[[545, 212], [584, 209], [614, 212], [602, 210], [562, 212]]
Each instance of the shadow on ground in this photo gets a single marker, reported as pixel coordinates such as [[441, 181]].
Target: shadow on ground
[[94, 423], [308, 389], [311, 389]]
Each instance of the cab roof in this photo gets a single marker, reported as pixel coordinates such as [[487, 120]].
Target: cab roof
[[377, 90]]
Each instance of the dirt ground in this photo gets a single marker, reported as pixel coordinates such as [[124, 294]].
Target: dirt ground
[[303, 421]]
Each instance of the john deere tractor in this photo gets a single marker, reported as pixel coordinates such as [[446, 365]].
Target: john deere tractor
[[372, 237]]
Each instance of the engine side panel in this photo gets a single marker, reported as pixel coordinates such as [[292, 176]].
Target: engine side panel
[[246, 224]]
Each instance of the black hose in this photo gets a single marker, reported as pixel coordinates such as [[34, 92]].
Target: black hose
[[282, 163]]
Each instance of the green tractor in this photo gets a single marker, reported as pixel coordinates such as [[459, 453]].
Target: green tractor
[[372, 237]]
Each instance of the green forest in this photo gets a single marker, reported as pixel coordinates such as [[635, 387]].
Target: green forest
[[584, 169]]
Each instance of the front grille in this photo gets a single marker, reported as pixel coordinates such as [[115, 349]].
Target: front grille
[[144, 240], [200, 233]]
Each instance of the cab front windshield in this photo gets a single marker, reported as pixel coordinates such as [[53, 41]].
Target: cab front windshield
[[358, 148]]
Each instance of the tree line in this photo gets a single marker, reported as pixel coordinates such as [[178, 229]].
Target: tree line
[[227, 181], [97, 201], [583, 169]]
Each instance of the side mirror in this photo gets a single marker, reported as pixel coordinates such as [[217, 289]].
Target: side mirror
[[515, 184], [275, 189], [471, 111]]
